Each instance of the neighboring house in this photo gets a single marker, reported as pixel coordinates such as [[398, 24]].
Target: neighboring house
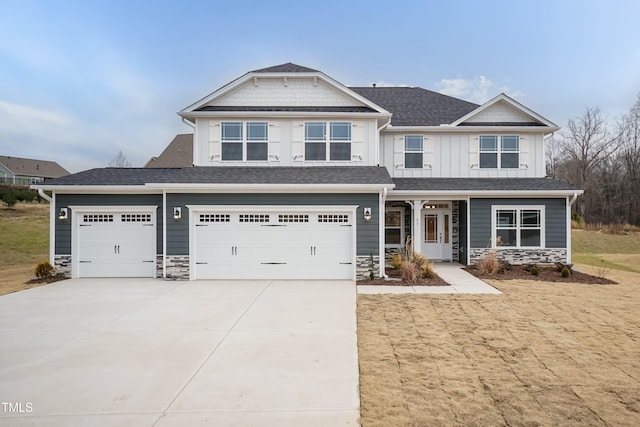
[[19, 171], [178, 154], [296, 176]]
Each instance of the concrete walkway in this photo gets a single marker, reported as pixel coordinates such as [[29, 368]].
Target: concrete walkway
[[460, 282], [148, 352]]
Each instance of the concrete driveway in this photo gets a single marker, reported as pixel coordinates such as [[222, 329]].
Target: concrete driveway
[[121, 352]]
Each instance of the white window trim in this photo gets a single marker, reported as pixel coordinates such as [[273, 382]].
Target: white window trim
[[498, 151], [327, 140], [244, 141], [518, 208], [393, 245], [404, 152]]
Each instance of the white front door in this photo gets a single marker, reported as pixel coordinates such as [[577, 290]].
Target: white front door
[[436, 234]]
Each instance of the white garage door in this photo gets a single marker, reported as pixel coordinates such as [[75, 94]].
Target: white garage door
[[115, 244], [273, 244]]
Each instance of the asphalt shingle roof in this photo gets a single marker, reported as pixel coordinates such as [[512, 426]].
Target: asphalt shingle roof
[[414, 106], [228, 175], [480, 184], [178, 154], [289, 67], [33, 167]]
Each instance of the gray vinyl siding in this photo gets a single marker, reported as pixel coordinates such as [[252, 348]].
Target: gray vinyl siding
[[367, 232], [63, 228], [555, 220]]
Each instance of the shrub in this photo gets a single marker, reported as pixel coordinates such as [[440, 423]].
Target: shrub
[[534, 270], [419, 260], [427, 270], [396, 261], [566, 272], [9, 199], [409, 272], [44, 270], [488, 264]]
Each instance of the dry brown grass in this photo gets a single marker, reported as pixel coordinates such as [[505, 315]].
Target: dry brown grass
[[541, 354]]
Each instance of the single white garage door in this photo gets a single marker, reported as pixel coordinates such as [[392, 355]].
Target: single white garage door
[[273, 244], [115, 244]]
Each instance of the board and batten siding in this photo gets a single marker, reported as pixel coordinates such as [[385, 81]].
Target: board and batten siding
[[286, 142], [455, 155], [555, 220], [367, 232], [64, 227]]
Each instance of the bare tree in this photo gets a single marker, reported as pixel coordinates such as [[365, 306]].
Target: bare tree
[[554, 156], [119, 161], [588, 144], [630, 159]]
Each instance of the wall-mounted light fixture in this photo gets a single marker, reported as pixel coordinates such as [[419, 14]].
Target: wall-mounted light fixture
[[63, 214], [177, 213], [367, 214]]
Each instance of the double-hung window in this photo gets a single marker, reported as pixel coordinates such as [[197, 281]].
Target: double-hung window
[[338, 140], [499, 152], [518, 227], [245, 141], [393, 223], [413, 149]]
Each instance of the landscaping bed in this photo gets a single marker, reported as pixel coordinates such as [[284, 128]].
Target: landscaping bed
[[545, 274], [396, 280]]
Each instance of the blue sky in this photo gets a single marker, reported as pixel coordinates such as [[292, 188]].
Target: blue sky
[[80, 80]]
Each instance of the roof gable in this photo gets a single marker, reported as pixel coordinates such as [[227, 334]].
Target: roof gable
[[285, 87], [503, 111], [178, 154]]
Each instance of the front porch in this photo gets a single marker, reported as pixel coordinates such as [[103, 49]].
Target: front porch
[[436, 229]]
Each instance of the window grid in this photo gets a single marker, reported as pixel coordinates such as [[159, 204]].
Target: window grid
[[254, 218], [215, 218], [97, 218], [333, 218], [518, 227], [499, 152], [334, 146], [135, 218], [293, 218], [245, 141], [413, 151]]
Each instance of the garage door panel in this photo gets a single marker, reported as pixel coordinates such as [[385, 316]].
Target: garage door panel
[[116, 244], [274, 245]]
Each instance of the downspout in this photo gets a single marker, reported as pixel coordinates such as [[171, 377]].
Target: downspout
[[52, 224], [164, 234], [383, 199], [569, 204], [192, 126], [378, 141]]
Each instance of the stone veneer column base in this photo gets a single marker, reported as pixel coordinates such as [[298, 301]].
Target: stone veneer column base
[[522, 256], [62, 263], [177, 267], [363, 266]]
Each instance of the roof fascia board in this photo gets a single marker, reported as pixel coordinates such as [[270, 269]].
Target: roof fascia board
[[281, 114], [273, 188], [229, 87], [515, 104], [97, 189], [443, 194], [451, 128]]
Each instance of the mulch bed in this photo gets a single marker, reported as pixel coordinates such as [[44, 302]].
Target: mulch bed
[[51, 279], [547, 274], [395, 274]]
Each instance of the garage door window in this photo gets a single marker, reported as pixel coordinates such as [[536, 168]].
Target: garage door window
[[254, 218], [215, 217], [135, 218], [97, 218], [333, 218], [293, 218]]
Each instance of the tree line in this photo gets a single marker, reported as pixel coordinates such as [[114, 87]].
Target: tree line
[[603, 159]]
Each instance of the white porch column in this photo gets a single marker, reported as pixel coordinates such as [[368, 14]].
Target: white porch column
[[416, 230]]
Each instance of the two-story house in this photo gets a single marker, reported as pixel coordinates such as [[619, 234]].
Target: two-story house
[[296, 176]]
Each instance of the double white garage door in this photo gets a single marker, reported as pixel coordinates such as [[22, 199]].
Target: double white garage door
[[225, 242], [272, 243]]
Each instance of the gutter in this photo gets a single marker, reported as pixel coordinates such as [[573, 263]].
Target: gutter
[[381, 257], [44, 195], [573, 199], [378, 137]]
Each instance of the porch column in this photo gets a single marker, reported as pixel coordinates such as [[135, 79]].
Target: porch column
[[416, 230]]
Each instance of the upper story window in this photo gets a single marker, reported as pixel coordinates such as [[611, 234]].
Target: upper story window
[[413, 149], [499, 152], [338, 140], [245, 141]]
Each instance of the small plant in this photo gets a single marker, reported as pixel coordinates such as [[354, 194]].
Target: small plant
[[44, 270], [489, 264], [534, 270], [409, 272], [566, 272], [560, 266], [601, 270], [427, 270], [419, 260], [396, 261]]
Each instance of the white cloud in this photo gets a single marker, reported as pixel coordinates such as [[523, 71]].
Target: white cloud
[[18, 116], [478, 89]]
